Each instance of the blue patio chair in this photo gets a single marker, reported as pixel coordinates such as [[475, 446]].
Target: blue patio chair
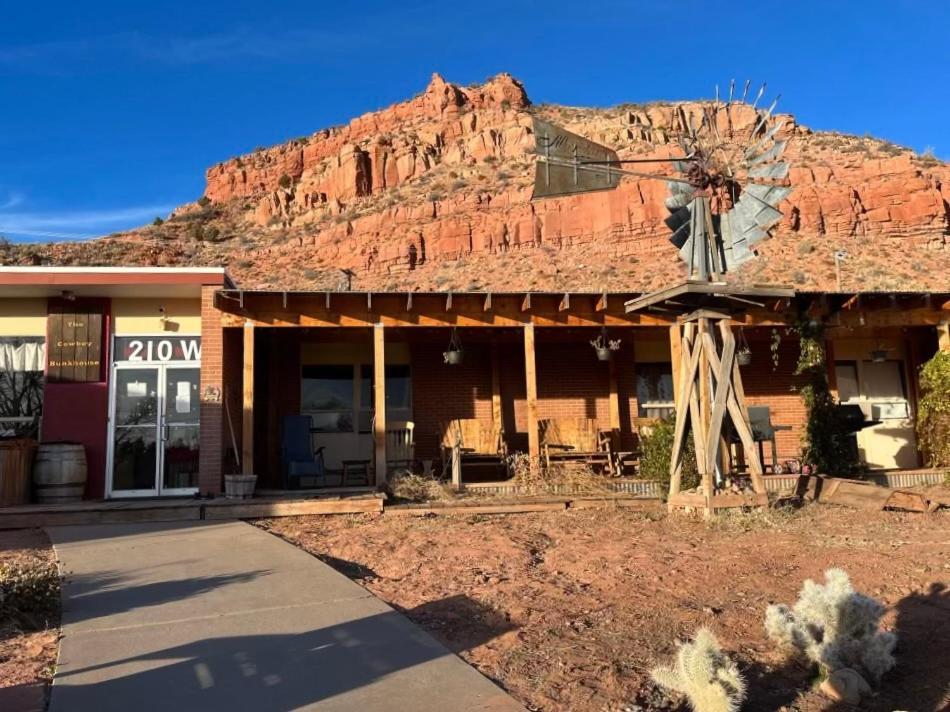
[[297, 454]]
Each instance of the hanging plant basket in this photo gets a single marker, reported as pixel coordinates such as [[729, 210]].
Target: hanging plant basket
[[879, 355], [743, 352], [603, 346], [454, 355]]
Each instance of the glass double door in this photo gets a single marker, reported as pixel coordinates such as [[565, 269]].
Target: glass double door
[[155, 427]]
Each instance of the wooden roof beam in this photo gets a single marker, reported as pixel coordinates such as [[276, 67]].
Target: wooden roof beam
[[526, 302], [601, 302], [565, 302], [487, 305], [409, 302], [448, 302]]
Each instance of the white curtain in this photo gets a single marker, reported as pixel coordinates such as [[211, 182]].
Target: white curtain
[[29, 356]]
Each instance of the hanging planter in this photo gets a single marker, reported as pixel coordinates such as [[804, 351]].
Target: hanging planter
[[743, 352], [603, 346], [879, 355], [454, 355]]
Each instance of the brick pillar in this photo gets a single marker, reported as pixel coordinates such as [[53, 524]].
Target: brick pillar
[[212, 395]]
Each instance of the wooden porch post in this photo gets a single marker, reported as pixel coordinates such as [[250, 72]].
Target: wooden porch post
[[531, 396], [943, 336], [495, 385], [676, 357], [614, 399], [379, 403], [247, 422]]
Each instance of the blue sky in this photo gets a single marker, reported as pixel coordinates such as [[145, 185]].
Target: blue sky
[[111, 111]]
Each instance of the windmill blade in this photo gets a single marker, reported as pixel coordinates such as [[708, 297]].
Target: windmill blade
[[770, 134], [759, 95], [772, 171], [766, 116], [745, 90], [772, 154], [732, 89]]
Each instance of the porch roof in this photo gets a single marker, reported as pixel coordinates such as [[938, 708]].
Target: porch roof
[[405, 308]]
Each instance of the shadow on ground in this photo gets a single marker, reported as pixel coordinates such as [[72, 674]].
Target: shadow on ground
[[265, 672]]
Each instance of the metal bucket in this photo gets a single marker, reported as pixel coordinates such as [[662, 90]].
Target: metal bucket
[[59, 472]]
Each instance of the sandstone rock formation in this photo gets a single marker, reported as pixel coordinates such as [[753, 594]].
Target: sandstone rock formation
[[435, 193]]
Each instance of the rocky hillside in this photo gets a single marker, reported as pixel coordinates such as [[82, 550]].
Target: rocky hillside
[[435, 193]]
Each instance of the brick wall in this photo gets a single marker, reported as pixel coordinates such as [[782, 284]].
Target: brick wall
[[766, 384], [212, 378]]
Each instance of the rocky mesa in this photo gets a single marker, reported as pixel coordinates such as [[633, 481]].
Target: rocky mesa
[[435, 193]]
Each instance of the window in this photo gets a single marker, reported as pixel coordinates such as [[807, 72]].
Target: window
[[655, 390], [327, 395], [846, 375], [398, 394], [340, 397], [21, 385]]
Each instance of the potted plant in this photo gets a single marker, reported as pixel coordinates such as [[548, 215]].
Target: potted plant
[[743, 352], [603, 346], [453, 356]]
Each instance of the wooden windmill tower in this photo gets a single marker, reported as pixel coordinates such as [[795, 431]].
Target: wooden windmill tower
[[724, 191]]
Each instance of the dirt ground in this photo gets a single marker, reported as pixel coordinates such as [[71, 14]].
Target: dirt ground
[[569, 610], [26, 658]]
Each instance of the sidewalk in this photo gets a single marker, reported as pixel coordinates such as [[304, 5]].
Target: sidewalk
[[204, 616]]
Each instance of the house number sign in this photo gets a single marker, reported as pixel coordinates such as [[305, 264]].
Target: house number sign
[[157, 349]]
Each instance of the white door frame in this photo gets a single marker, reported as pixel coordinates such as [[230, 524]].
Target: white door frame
[[161, 368]]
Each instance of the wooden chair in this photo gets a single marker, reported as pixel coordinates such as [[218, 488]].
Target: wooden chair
[[576, 440], [469, 441], [401, 447]]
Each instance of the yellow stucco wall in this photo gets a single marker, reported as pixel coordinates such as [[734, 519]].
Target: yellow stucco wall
[[142, 316], [23, 317]]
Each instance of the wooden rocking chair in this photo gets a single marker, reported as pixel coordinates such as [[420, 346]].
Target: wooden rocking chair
[[467, 441], [401, 448], [576, 441]]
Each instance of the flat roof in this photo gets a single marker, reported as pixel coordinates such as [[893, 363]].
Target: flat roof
[[51, 281]]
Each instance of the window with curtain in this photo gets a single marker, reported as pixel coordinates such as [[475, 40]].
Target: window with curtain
[[655, 390], [22, 360]]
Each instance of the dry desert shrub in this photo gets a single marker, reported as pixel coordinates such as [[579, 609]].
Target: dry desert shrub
[[418, 488], [556, 479]]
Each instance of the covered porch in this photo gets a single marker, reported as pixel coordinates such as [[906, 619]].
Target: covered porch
[[368, 372]]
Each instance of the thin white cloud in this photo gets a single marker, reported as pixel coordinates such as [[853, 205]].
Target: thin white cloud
[[239, 43], [12, 200], [76, 225]]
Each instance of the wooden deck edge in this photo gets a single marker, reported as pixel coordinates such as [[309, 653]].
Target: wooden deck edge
[[20, 520], [514, 508], [260, 510]]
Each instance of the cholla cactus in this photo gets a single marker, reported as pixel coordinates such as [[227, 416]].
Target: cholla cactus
[[707, 677], [835, 626]]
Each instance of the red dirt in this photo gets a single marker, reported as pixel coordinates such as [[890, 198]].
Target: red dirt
[[569, 611], [26, 658]]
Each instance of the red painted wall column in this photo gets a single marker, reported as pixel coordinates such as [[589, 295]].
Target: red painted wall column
[[79, 412]]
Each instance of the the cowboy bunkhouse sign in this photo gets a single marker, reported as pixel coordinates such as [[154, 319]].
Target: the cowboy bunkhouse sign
[[74, 349]]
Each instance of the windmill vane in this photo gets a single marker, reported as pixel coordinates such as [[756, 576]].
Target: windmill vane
[[724, 191]]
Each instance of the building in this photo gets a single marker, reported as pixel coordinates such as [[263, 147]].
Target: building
[[174, 377]]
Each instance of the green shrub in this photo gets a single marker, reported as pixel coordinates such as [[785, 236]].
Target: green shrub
[[284, 181], [933, 410], [158, 221], [656, 444], [29, 593], [204, 201]]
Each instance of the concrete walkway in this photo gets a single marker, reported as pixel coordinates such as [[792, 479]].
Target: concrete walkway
[[204, 616]]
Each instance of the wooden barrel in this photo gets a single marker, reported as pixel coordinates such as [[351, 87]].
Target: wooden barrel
[[59, 472]]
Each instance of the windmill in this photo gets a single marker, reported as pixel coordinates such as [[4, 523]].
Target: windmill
[[726, 179]]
